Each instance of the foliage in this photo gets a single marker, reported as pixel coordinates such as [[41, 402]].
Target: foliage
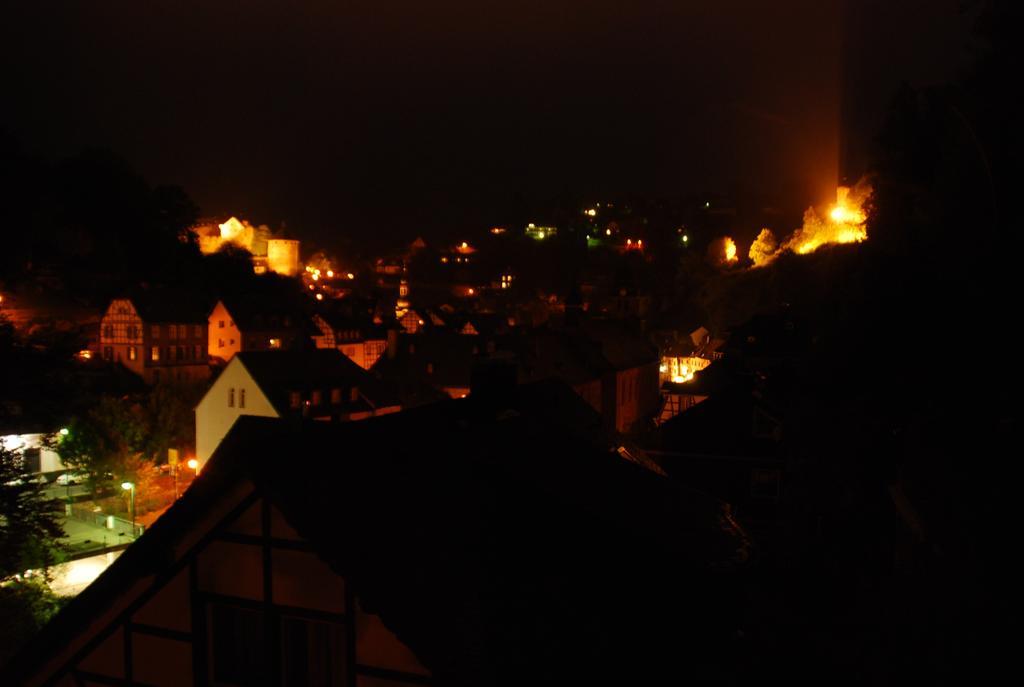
[[105, 439], [30, 528], [26, 605]]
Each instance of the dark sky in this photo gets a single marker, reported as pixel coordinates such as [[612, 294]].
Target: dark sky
[[400, 117]]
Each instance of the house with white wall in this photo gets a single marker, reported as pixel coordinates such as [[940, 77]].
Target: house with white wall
[[320, 384]]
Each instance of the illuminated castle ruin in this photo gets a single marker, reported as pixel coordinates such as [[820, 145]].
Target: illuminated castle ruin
[[273, 254]]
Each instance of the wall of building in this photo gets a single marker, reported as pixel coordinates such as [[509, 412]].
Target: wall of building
[[225, 337], [283, 256], [252, 582], [222, 405], [49, 460]]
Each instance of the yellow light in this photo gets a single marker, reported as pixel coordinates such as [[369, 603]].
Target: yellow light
[[351, 276], [319, 296], [608, 232], [330, 273], [471, 292], [64, 431], [465, 245], [311, 287], [127, 486], [316, 276]]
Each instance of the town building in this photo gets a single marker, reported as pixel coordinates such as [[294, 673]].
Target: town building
[[524, 552], [160, 336], [251, 324], [359, 338], [316, 384]]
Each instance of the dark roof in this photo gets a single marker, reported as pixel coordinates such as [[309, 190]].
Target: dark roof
[[723, 425], [279, 373], [441, 359], [621, 347], [169, 306], [517, 555], [253, 314]]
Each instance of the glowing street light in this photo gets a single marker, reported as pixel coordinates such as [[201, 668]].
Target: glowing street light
[[193, 464], [130, 487]]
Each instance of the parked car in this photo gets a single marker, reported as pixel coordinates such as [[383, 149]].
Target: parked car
[[68, 478]]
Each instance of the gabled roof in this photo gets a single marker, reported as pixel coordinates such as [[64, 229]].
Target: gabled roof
[[516, 553], [251, 314], [439, 358], [159, 306], [279, 373]]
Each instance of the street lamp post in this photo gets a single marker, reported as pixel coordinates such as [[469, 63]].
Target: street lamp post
[[130, 487], [194, 465]]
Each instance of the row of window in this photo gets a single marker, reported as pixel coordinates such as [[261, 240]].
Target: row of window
[[174, 331], [231, 398], [316, 397], [156, 353]]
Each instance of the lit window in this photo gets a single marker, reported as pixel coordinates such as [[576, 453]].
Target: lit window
[[132, 353], [154, 353], [275, 343], [231, 397], [241, 398]]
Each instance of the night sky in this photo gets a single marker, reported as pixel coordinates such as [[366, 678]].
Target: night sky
[[346, 119]]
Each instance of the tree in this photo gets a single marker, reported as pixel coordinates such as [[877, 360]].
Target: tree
[[105, 440], [30, 528]]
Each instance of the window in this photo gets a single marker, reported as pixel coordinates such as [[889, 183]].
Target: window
[[220, 343], [199, 331], [172, 331], [295, 399], [154, 353], [275, 343], [241, 398], [181, 352], [156, 331], [132, 353], [108, 353], [197, 352], [133, 331], [231, 397], [317, 397], [312, 653], [237, 645], [335, 396], [108, 331], [220, 324]]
